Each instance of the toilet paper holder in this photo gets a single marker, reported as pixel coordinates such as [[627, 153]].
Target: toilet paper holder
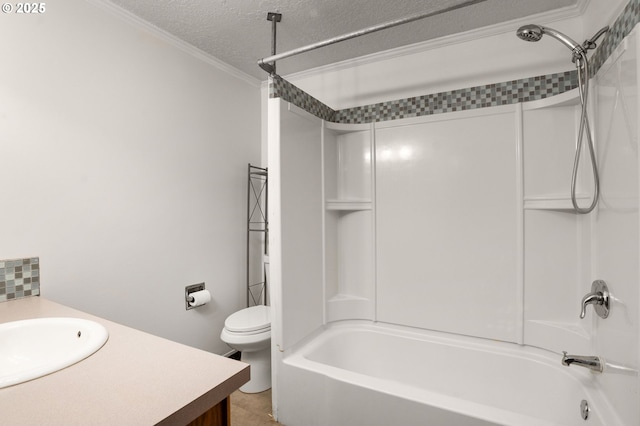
[[187, 294]]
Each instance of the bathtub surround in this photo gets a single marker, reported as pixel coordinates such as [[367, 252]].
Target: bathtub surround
[[454, 216], [459, 258], [19, 278]]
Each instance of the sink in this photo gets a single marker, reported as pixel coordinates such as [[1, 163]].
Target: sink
[[36, 347]]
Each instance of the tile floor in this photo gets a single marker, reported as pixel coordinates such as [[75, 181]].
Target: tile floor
[[252, 409]]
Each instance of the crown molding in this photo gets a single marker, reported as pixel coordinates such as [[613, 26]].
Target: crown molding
[[174, 41], [567, 12]]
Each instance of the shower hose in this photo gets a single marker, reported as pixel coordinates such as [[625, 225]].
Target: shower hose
[[582, 65]]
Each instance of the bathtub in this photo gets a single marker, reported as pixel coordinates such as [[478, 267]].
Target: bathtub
[[354, 373]]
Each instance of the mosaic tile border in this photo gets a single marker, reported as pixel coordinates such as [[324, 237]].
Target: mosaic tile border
[[620, 28], [19, 278], [281, 88], [489, 95], [505, 93]]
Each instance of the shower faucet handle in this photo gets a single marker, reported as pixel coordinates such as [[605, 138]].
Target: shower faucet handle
[[599, 298]]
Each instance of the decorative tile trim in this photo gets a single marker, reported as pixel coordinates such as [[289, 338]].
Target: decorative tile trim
[[504, 93], [280, 88], [620, 28], [19, 278]]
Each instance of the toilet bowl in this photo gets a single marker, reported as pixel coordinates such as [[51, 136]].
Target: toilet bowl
[[249, 331]]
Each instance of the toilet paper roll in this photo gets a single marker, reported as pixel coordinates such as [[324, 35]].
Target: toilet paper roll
[[199, 298]]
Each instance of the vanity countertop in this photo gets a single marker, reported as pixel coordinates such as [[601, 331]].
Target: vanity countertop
[[135, 379]]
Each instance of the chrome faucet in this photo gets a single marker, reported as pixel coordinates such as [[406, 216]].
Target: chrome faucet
[[593, 363], [599, 298]]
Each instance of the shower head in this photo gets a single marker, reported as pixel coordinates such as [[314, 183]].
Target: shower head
[[530, 32], [533, 32]]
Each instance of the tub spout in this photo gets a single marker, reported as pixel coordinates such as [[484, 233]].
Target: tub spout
[[593, 363]]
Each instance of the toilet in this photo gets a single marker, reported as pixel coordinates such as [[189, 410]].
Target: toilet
[[249, 331]]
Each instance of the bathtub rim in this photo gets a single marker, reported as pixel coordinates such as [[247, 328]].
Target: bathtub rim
[[297, 357]]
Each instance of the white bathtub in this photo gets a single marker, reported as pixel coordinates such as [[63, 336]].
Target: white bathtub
[[375, 374]]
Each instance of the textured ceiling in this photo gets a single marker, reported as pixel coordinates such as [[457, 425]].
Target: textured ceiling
[[238, 33]]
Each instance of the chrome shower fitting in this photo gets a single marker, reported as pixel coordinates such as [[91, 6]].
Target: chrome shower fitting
[[591, 43], [593, 363], [533, 32]]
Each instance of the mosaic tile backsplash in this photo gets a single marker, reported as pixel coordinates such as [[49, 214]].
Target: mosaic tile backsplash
[[489, 95], [19, 278]]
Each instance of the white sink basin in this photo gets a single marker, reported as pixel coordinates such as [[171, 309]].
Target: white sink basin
[[36, 347]]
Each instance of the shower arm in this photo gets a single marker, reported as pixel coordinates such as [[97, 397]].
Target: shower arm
[[591, 43], [268, 63]]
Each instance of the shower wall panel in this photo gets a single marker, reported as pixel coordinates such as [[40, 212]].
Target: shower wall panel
[[295, 212], [447, 235], [556, 239], [616, 245]]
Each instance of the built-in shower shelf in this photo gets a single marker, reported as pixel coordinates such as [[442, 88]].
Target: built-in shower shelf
[[342, 128], [348, 204], [349, 306], [341, 297], [557, 203]]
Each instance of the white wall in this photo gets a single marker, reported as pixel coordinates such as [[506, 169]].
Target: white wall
[[124, 169]]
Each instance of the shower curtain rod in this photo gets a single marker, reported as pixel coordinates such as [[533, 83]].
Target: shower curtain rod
[[268, 63]]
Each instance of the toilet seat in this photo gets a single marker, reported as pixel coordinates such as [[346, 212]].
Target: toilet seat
[[249, 332], [253, 320]]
